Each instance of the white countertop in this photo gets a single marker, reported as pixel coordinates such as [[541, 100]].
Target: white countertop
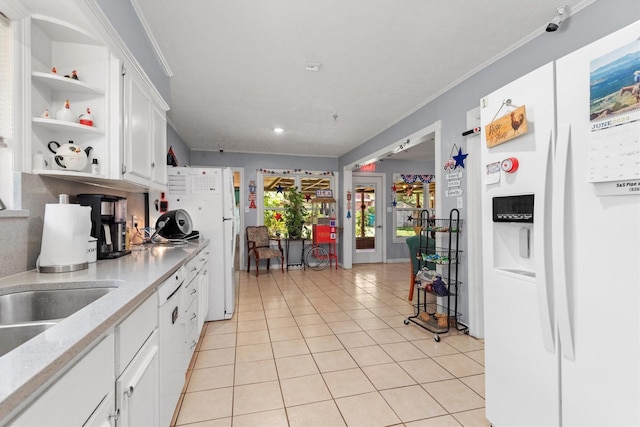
[[38, 362]]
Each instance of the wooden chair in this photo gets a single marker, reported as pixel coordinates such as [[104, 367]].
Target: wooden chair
[[259, 247]]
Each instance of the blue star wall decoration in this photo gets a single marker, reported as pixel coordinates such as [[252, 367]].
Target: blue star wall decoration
[[459, 158], [279, 188]]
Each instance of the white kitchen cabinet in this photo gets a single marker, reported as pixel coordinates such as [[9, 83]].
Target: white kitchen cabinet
[[133, 331], [194, 319], [159, 145], [145, 136], [136, 366], [203, 299], [74, 397], [203, 287], [66, 48], [137, 388], [128, 137], [192, 335], [104, 415]]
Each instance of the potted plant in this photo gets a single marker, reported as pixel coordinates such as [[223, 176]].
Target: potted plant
[[295, 212]]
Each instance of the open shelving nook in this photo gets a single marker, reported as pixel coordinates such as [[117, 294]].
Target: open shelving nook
[[62, 46]]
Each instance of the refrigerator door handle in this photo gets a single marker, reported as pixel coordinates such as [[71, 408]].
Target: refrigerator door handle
[[561, 169], [540, 235]]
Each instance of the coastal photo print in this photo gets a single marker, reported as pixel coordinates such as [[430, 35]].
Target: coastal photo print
[[615, 85]]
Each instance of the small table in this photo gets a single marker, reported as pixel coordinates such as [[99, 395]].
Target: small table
[[286, 243]]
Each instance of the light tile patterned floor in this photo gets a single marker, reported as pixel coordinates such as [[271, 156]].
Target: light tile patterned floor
[[330, 348]]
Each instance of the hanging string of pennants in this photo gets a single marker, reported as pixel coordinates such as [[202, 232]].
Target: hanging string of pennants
[[293, 171], [411, 178]]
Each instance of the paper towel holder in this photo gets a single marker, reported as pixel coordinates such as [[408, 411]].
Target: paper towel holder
[[75, 256], [61, 268]]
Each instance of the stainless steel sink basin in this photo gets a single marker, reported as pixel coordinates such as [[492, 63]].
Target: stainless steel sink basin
[[33, 306], [23, 315], [11, 336]]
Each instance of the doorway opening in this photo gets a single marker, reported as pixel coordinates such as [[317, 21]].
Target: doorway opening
[[397, 151], [368, 218]]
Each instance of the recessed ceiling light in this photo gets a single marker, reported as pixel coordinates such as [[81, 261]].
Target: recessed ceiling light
[[278, 130], [312, 66]]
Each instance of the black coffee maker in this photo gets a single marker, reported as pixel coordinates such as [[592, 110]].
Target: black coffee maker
[[108, 223]]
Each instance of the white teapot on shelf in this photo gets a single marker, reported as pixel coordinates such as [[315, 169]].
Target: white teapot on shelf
[[70, 156]]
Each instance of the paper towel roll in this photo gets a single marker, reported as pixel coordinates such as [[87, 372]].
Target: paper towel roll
[[65, 234]]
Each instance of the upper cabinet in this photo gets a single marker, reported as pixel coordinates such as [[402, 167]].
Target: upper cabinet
[[88, 107], [145, 133], [69, 82]]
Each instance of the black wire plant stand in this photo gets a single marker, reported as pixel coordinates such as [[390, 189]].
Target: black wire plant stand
[[433, 312]]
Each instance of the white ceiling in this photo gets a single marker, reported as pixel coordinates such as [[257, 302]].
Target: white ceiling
[[238, 66]]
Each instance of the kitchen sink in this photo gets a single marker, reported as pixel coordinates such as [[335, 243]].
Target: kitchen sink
[[11, 336], [23, 315], [34, 306]]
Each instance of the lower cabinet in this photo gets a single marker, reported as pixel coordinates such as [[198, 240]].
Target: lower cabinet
[[137, 388], [136, 366], [78, 395], [117, 383], [114, 384], [196, 299], [191, 318], [203, 289], [203, 296], [103, 416]]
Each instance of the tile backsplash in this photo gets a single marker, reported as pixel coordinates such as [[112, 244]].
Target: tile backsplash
[[20, 238]]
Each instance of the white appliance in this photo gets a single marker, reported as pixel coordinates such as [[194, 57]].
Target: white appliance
[[208, 196], [172, 357], [561, 288]]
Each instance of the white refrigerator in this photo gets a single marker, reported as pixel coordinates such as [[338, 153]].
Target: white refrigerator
[[561, 245], [207, 194]]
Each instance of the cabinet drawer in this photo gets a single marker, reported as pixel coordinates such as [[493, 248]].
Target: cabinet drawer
[[191, 316], [134, 331], [202, 257], [190, 294], [192, 341], [74, 397], [194, 266]]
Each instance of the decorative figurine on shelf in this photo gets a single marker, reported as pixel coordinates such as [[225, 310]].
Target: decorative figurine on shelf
[[54, 71], [86, 118], [73, 76], [65, 113], [172, 160], [45, 115]]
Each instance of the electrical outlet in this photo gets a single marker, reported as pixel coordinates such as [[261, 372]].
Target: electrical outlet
[[134, 221]]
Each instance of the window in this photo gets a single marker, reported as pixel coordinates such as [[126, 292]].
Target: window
[[275, 187], [365, 206], [413, 194]]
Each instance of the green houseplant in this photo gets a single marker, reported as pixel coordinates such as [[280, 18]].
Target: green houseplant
[[295, 212]]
